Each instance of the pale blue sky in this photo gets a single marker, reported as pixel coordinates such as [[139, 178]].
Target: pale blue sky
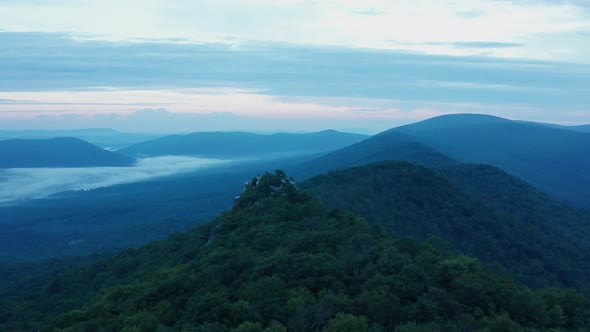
[[298, 65]]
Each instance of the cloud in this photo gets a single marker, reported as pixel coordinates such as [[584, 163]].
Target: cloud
[[14, 101], [54, 74], [465, 86], [20, 184], [368, 12], [472, 44], [60, 63], [471, 13], [370, 24], [344, 118], [487, 44]]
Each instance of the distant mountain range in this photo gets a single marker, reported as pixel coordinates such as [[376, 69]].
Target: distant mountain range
[[104, 137], [57, 152], [580, 128], [384, 146], [554, 159], [239, 144]]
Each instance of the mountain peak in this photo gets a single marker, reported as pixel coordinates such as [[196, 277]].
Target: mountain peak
[[329, 132], [266, 185], [452, 120], [470, 118], [479, 116]]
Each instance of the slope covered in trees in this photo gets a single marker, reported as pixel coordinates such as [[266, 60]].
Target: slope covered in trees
[[497, 218], [57, 152], [497, 189], [281, 261]]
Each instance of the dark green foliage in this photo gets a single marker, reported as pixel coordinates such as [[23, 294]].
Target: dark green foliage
[[566, 228], [239, 144], [506, 221], [57, 152], [281, 261]]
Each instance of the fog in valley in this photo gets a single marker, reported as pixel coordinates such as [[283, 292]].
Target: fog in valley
[[20, 184]]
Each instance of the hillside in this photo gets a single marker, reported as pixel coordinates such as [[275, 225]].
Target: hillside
[[512, 195], [555, 160], [239, 144], [110, 219], [385, 146], [497, 218], [57, 152], [281, 261]]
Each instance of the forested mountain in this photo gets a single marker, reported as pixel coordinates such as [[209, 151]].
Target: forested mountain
[[281, 261], [384, 146], [496, 217], [239, 144], [57, 152], [555, 160], [502, 191]]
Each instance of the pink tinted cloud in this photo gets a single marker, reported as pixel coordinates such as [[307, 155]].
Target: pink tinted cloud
[[196, 101]]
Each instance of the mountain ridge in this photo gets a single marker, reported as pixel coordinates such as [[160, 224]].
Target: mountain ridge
[[383, 146], [57, 152], [553, 159], [242, 144]]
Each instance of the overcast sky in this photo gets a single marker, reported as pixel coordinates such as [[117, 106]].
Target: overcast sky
[[298, 65]]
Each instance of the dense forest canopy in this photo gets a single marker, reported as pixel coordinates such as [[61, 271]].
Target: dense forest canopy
[[497, 218], [282, 261]]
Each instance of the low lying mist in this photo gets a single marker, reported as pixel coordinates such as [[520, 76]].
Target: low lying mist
[[18, 184]]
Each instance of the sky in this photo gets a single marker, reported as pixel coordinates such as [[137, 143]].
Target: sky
[[291, 65]]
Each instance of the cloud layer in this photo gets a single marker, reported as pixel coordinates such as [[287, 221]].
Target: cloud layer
[[54, 79], [31, 183], [314, 64], [542, 29]]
